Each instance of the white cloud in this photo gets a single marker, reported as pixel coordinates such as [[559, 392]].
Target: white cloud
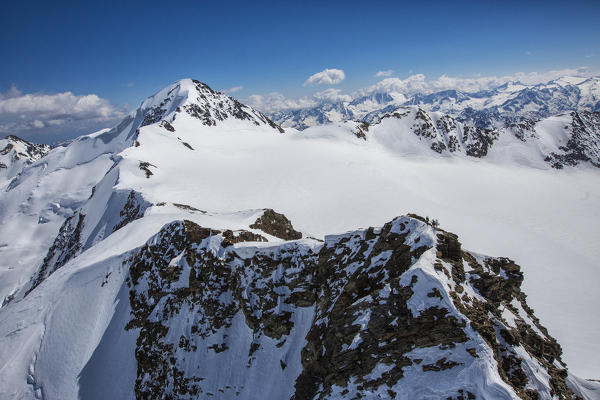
[[131, 84], [332, 95], [276, 101], [233, 89], [387, 72], [37, 124], [419, 84], [326, 77], [20, 111]]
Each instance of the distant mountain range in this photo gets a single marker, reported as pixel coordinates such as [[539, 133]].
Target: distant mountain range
[[504, 105]]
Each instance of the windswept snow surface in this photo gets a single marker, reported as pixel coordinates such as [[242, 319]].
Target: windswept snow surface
[[324, 179]]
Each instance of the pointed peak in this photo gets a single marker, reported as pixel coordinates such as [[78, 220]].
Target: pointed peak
[[14, 138], [16, 148], [200, 101]]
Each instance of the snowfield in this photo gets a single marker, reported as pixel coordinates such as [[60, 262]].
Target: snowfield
[[325, 179]]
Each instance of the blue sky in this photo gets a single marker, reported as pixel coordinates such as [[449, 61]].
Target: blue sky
[[122, 53]]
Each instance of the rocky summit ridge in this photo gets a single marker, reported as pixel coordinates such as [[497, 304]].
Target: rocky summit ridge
[[379, 312]]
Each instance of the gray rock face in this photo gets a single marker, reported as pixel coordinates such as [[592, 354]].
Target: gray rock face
[[277, 225], [583, 144]]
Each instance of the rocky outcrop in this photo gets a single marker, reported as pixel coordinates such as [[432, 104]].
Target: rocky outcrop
[[583, 144], [71, 240], [385, 305], [66, 246], [134, 208], [16, 154], [277, 225], [18, 149]]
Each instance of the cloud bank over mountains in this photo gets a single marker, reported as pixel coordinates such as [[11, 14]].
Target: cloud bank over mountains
[[417, 83], [34, 111]]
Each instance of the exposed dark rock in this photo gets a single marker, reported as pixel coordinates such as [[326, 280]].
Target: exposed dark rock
[[360, 285], [361, 130], [66, 246], [213, 106], [525, 129], [167, 126], [477, 141], [440, 365], [583, 144], [242, 236], [188, 208], [277, 225], [145, 166], [33, 151], [133, 209]]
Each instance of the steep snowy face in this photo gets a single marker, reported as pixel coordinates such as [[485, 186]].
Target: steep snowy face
[[583, 141], [16, 153], [400, 311], [565, 140], [414, 130]]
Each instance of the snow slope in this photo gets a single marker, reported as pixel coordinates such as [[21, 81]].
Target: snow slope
[[188, 149]]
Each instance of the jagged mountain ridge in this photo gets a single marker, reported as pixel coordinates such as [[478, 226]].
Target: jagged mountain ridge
[[510, 103], [151, 170], [563, 140], [16, 153]]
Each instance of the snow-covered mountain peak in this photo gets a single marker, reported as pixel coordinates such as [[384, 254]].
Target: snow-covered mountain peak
[[180, 111], [20, 149], [16, 153], [199, 101]]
